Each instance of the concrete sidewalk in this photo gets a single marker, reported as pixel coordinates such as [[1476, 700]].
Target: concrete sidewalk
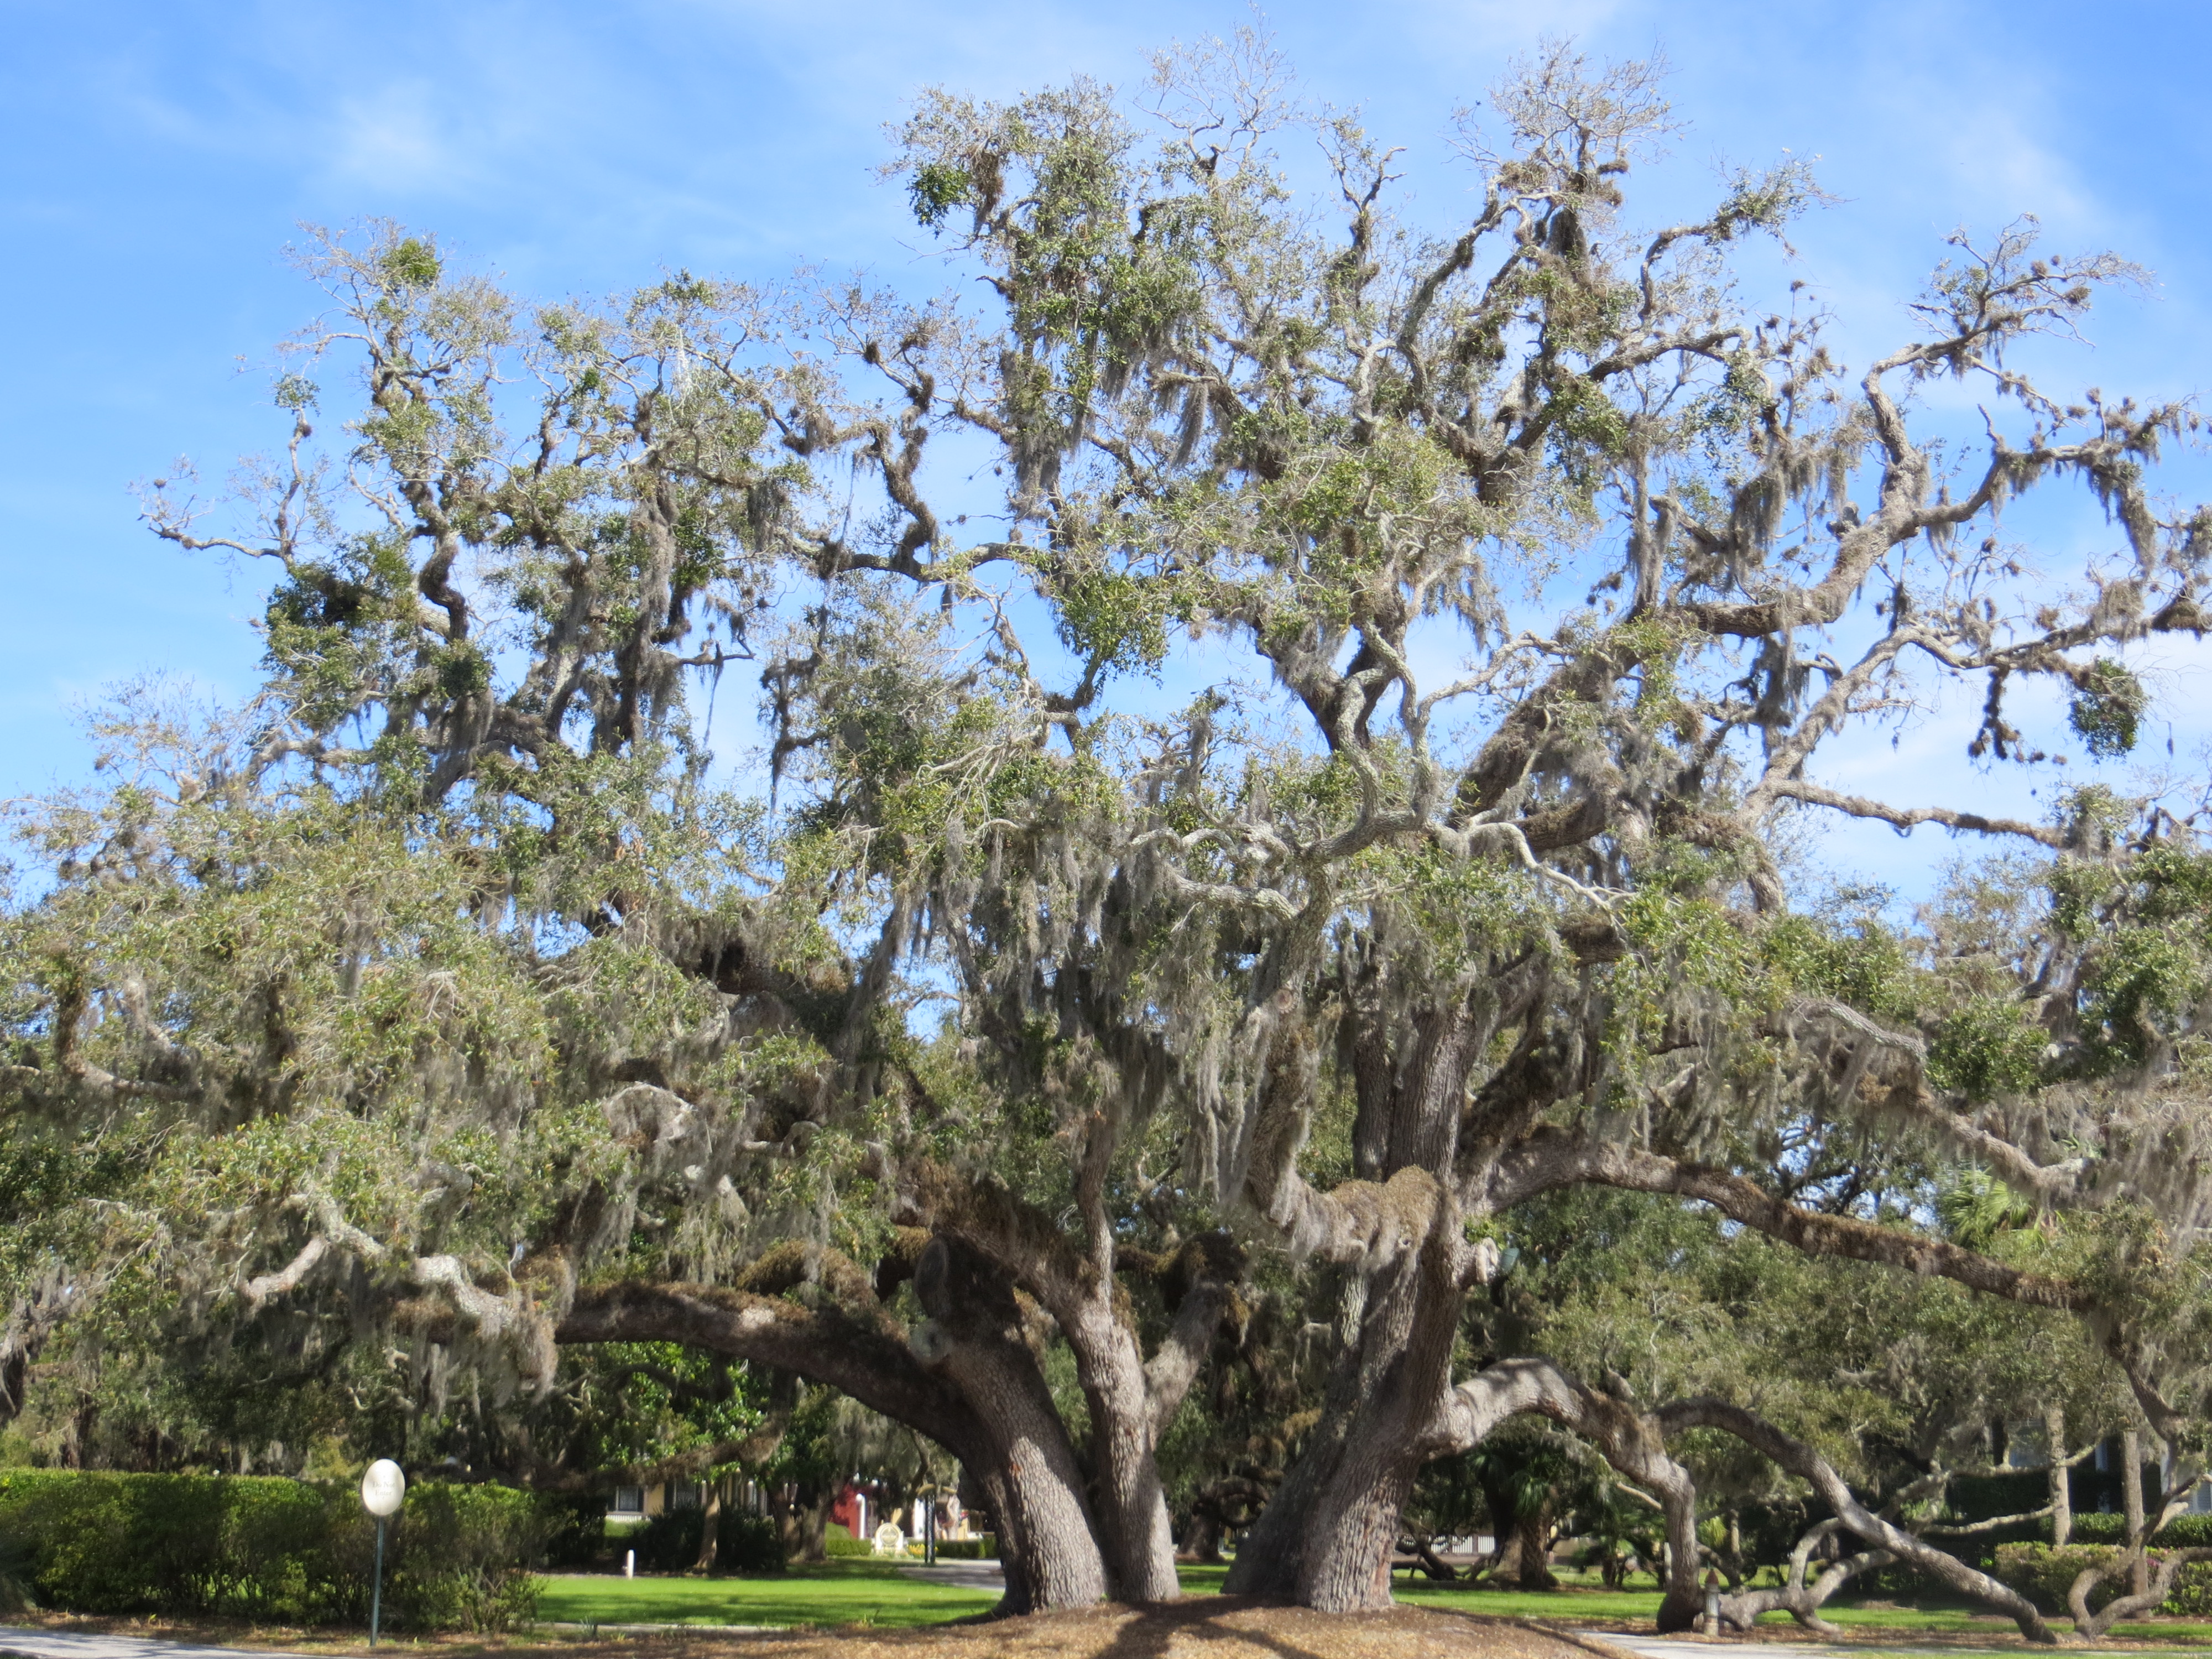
[[1671, 1647], [89, 1644]]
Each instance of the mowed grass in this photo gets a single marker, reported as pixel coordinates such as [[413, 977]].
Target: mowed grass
[[830, 1593], [1572, 1602], [866, 1592]]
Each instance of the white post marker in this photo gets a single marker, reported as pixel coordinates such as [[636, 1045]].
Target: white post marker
[[382, 1490], [629, 1564]]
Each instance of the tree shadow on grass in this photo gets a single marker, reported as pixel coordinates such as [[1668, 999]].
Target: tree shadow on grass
[[1150, 1629]]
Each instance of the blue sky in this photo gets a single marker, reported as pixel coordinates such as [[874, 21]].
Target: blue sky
[[157, 157]]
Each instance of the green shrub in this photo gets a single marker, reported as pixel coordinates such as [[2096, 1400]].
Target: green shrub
[[459, 1558], [751, 1543], [273, 1550], [172, 1543], [15, 1577], [985, 1548], [839, 1543], [2184, 1532], [576, 1532], [2046, 1576], [743, 1543], [2192, 1592]]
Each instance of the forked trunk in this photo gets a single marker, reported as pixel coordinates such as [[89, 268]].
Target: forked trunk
[[1326, 1540], [1133, 1523], [1266, 1564], [1346, 1565]]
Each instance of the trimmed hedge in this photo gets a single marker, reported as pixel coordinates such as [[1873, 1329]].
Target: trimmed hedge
[[269, 1550], [2182, 1532], [2045, 1576], [985, 1548], [840, 1544]]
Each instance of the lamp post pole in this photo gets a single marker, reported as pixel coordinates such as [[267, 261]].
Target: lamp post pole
[[383, 1489], [376, 1585]]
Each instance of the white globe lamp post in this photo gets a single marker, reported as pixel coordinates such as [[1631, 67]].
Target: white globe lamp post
[[382, 1490]]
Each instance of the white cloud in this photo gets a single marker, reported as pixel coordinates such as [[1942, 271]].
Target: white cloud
[[390, 140]]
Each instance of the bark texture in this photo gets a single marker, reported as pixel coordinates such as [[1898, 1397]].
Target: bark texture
[[2062, 1477], [2131, 1504], [990, 1242], [975, 1337], [1327, 1538]]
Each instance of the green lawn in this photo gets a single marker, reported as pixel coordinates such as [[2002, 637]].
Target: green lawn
[[1570, 1603], [833, 1592], [868, 1592]]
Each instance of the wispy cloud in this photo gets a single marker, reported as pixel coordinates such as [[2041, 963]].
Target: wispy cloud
[[395, 139]]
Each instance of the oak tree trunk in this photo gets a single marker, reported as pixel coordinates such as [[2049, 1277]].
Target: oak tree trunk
[[973, 1336], [2132, 1498], [1134, 1526], [813, 1524], [1532, 1531], [2061, 1490], [1202, 1542], [1326, 1540], [710, 1527]]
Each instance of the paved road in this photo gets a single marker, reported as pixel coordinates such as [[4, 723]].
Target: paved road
[[964, 1575]]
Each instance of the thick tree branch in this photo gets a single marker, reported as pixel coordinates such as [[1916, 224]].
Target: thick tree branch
[[1548, 1161], [1798, 1459]]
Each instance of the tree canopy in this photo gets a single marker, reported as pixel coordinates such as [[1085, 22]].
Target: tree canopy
[[1294, 934]]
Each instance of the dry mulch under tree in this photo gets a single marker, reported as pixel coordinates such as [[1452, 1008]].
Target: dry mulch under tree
[[1200, 1627], [1197, 1627]]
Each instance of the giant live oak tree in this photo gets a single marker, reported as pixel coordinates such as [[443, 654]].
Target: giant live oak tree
[[440, 993]]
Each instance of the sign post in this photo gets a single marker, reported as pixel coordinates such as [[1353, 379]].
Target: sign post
[[383, 1489]]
